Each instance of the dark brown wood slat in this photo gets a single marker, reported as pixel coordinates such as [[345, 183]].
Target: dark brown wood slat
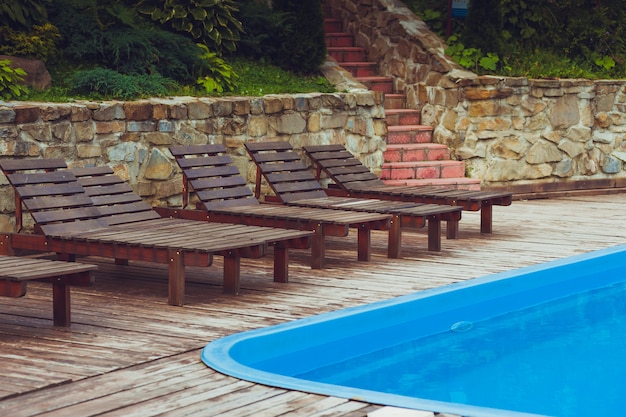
[[182, 151], [203, 161], [12, 165], [222, 171], [52, 202], [219, 182], [112, 189], [56, 177], [92, 171], [100, 180], [269, 158], [219, 204], [294, 166], [299, 186], [268, 146], [300, 175], [106, 200], [224, 194], [71, 214], [30, 191]]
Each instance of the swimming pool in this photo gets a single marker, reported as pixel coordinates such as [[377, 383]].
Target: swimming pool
[[476, 348]]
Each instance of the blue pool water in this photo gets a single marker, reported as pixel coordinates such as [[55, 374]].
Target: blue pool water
[[544, 340]]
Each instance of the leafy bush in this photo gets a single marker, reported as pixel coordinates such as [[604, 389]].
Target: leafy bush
[[112, 84], [221, 77], [211, 22], [264, 29], [39, 43], [22, 14], [10, 79], [304, 46], [572, 37]]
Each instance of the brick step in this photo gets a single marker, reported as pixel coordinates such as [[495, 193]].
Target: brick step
[[470, 184], [404, 134], [394, 101], [332, 25], [339, 39], [416, 152], [347, 54], [422, 170], [396, 117], [384, 84], [361, 69]]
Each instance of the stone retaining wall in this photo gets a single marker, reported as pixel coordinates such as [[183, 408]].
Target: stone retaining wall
[[133, 137], [513, 133]]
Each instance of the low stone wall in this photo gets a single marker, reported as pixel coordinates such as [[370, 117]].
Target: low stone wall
[[133, 137], [513, 133]]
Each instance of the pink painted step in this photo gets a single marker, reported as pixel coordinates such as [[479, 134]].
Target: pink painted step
[[361, 69], [470, 184], [394, 101], [332, 25], [416, 152], [402, 117], [384, 84], [347, 54], [422, 170], [339, 39], [405, 134]]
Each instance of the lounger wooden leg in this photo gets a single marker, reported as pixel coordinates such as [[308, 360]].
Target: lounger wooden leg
[[395, 237], [5, 245], [452, 229], [364, 244], [61, 313], [281, 264], [486, 214], [232, 273], [176, 279], [318, 248], [434, 234]]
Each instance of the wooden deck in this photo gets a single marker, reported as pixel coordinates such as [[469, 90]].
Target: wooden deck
[[129, 353]]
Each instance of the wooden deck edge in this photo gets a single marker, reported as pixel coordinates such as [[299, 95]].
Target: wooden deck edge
[[539, 190]]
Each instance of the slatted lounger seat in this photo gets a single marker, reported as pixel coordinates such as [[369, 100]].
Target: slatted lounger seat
[[294, 184], [16, 271], [224, 197], [123, 227], [354, 179]]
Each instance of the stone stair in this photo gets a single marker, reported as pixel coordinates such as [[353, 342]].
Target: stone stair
[[411, 158]]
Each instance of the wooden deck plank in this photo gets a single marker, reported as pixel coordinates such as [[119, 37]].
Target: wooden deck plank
[[129, 354]]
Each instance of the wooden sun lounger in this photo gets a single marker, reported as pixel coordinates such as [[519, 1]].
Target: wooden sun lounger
[[120, 225], [224, 197], [294, 184], [353, 179], [16, 271]]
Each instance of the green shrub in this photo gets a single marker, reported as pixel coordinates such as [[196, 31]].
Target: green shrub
[[22, 14], [10, 81], [39, 43], [264, 29], [110, 84], [211, 22], [220, 76], [304, 46]]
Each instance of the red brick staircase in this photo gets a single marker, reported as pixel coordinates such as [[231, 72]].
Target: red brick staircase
[[411, 158]]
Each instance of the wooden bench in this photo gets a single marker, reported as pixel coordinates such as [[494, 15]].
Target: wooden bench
[[68, 222], [353, 179], [15, 272], [294, 184], [223, 196]]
